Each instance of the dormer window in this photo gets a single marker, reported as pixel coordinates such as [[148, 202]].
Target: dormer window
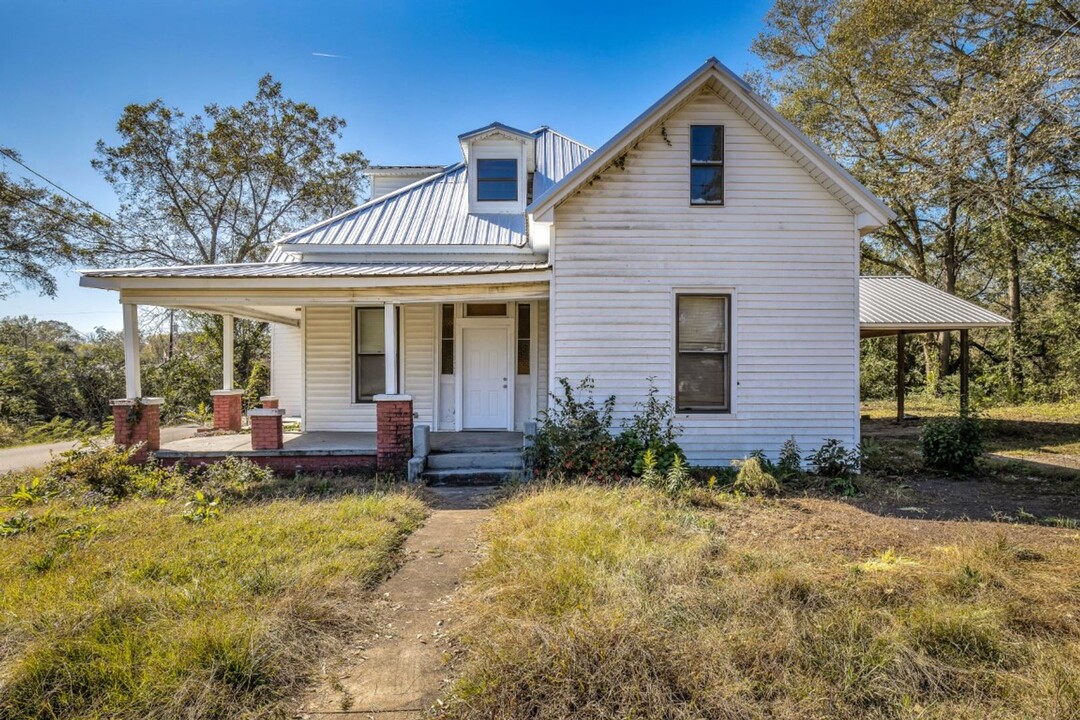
[[496, 179]]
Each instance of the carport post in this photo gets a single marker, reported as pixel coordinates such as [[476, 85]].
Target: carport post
[[901, 371], [964, 370]]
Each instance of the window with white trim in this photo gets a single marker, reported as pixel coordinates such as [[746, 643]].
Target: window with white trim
[[706, 164], [703, 353], [496, 179], [370, 341]]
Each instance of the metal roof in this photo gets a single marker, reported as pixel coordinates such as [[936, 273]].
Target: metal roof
[[318, 269], [556, 156], [403, 170], [434, 211], [892, 304]]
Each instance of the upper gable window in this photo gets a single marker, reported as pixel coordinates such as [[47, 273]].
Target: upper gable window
[[706, 164], [496, 179]]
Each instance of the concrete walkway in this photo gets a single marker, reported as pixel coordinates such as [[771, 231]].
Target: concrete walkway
[[399, 670], [26, 457]]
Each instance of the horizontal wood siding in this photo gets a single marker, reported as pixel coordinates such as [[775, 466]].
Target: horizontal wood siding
[[785, 245], [418, 331], [328, 334], [286, 378], [541, 356]]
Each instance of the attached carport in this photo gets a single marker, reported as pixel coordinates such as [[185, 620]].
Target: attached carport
[[901, 306]]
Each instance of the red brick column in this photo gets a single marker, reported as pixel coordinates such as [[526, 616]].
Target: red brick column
[[228, 409], [266, 431], [393, 442], [137, 421], [269, 402]]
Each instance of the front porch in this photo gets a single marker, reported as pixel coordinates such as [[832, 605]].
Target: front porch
[[323, 451]]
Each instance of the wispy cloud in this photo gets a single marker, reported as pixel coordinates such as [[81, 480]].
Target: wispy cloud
[[328, 55]]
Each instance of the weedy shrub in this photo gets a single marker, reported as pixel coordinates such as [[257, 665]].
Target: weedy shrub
[[753, 479], [952, 444], [675, 481], [234, 476], [789, 463], [652, 428], [201, 507], [833, 460], [202, 415], [20, 522], [574, 436], [109, 471]]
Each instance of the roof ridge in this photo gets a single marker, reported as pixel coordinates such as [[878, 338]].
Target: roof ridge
[[564, 136]]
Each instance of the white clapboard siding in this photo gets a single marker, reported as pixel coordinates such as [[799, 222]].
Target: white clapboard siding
[[785, 246], [286, 376], [328, 353], [328, 332], [541, 356], [418, 333]]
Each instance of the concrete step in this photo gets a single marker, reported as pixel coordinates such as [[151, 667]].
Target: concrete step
[[465, 476], [474, 461]]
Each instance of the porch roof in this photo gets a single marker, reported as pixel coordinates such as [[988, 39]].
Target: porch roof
[[317, 270]]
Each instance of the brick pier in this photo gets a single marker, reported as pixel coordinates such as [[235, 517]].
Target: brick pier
[[393, 442]]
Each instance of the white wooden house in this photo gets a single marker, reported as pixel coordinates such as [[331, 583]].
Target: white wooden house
[[709, 247]]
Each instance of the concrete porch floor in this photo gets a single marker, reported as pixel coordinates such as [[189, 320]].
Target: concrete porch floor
[[334, 443]]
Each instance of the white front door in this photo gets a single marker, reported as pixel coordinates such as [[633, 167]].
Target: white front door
[[485, 375]]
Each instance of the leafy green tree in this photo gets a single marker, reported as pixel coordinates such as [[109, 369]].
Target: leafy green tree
[[39, 230], [48, 370], [221, 188], [964, 117]]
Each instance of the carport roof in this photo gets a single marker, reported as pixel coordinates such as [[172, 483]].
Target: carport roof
[[893, 304]]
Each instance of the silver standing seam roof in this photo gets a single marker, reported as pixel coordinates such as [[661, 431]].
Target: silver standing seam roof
[[434, 211], [319, 269], [892, 304]]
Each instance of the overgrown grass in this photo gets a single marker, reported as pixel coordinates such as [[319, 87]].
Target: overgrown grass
[[126, 609], [622, 603]]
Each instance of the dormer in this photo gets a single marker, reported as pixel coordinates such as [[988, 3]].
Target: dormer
[[500, 159]]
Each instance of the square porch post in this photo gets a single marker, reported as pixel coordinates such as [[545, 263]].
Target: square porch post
[[390, 330], [227, 334], [132, 366], [228, 402]]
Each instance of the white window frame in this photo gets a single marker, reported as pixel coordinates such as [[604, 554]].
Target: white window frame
[[498, 150]]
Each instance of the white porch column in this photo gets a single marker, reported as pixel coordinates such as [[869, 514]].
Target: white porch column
[[132, 369], [227, 331], [390, 322]]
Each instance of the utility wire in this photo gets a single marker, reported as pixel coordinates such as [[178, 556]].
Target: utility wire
[[10, 154]]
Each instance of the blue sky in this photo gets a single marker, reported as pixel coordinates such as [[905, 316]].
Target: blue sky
[[407, 76]]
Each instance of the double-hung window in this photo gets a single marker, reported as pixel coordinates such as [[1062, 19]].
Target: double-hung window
[[370, 363], [496, 179], [706, 164], [703, 353]]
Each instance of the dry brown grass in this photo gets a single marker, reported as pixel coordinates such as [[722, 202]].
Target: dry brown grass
[[621, 603]]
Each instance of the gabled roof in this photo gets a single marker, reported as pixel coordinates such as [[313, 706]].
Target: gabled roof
[[871, 211], [434, 211], [495, 127], [896, 303]]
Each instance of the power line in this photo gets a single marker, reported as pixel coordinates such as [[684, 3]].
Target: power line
[[10, 154]]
